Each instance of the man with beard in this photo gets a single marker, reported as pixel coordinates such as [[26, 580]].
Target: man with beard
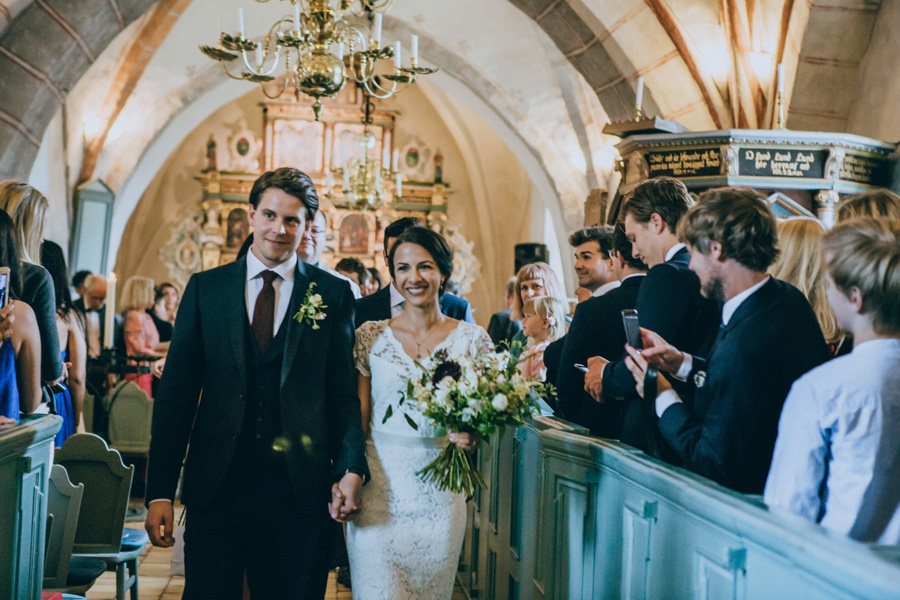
[[769, 337]]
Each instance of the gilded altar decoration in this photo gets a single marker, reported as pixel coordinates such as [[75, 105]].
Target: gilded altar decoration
[[466, 267], [182, 254]]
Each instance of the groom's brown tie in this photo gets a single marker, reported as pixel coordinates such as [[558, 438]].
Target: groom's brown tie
[[264, 312]]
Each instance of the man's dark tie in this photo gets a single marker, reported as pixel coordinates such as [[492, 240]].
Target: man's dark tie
[[264, 312]]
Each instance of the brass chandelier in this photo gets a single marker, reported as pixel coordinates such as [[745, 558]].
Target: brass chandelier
[[364, 178], [320, 51]]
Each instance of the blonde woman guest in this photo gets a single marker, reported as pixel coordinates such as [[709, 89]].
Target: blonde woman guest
[[543, 322], [142, 345], [534, 279], [27, 208], [801, 264]]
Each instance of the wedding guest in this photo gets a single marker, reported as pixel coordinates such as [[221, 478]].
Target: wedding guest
[[355, 271], [593, 264], [160, 313], [669, 301], [502, 327], [376, 282], [801, 264], [27, 207], [170, 293], [769, 338], [69, 399], [20, 342], [78, 280], [597, 330], [534, 279], [543, 322], [837, 457], [874, 203], [312, 246], [142, 345]]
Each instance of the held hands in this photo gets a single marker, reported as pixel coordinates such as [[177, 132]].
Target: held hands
[[658, 352], [345, 498], [593, 379], [160, 514]]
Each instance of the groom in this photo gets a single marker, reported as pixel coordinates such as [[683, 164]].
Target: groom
[[267, 398]]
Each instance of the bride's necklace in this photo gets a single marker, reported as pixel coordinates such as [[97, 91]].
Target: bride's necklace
[[420, 344]]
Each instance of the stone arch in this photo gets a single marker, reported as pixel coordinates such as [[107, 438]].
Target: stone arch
[[44, 50]]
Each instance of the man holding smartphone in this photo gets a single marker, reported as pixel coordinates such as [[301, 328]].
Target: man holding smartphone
[[669, 302], [768, 339]]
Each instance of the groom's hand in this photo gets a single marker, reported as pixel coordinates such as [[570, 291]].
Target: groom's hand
[[160, 514], [345, 498]]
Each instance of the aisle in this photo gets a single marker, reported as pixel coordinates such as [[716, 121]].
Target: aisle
[[155, 583]]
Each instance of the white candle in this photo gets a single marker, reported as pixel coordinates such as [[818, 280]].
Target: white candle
[[376, 29], [329, 182], [397, 54], [340, 52], [780, 78], [395, 161], [414, 51], [398, 192], [639, 99], [377, 177], [109, 322], [297, 16], [241, 19], [259, 56]]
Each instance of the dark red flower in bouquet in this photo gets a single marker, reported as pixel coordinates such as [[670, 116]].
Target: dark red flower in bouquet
[[448, 368]]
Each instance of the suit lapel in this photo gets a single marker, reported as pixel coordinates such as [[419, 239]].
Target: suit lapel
[[233, 309], [294, 329]]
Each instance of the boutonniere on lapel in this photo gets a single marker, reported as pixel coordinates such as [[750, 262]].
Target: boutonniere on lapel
[[313, 308]]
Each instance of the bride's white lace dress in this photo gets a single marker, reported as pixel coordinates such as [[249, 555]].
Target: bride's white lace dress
[[406, 540]]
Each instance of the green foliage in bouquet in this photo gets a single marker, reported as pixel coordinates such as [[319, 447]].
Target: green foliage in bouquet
[[481, 393]]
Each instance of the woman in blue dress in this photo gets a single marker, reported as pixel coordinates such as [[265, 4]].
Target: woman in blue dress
[[20, 343]]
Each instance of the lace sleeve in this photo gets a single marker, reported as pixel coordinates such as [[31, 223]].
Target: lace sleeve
[[481, 341], [365, 337]]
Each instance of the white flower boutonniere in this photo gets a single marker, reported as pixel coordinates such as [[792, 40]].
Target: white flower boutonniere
[[313, 309]]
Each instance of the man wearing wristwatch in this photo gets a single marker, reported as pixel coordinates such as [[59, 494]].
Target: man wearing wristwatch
[[260, 379]]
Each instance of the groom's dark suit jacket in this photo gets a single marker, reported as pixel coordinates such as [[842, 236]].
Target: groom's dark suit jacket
[[319, 407], [377, 307]]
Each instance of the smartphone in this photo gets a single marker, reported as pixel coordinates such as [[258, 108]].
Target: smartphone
[[4, 286], [632, 329], [581, 368]]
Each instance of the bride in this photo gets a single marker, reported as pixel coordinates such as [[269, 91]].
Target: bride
[[406, 540]]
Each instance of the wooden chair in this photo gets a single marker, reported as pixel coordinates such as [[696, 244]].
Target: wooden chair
[[101, 531], [130, 417], [62, 571]]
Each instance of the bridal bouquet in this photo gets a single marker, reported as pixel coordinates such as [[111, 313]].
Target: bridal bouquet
[[478, 393]]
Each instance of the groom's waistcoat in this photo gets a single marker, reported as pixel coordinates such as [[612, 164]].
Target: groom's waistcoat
[[262, 431]]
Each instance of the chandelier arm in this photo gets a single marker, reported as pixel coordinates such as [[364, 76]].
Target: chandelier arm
[[374, 88], [227, 72], [278, 95]]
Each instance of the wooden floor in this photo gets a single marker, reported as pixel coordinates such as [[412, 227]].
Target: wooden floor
[[155, 583]]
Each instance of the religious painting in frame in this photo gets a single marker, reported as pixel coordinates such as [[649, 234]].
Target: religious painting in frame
[[353, 235], [300, 144]]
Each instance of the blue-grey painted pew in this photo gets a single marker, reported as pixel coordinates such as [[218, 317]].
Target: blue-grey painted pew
[[26, 452], [590, 518]]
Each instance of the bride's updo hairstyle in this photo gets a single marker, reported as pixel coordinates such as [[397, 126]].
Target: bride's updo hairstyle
[[434, 244]]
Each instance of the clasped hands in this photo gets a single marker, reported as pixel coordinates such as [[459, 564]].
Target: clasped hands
[[345, 502]]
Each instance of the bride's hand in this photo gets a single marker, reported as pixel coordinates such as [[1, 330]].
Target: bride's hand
[[466, 441]]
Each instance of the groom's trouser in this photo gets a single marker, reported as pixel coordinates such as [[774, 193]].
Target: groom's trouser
[[254, 525]]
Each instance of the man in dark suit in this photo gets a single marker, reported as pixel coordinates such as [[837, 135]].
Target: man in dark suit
[[669, 301], [768, 339], [597, 330], [278, 432], [502, 327], [387, 302]]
